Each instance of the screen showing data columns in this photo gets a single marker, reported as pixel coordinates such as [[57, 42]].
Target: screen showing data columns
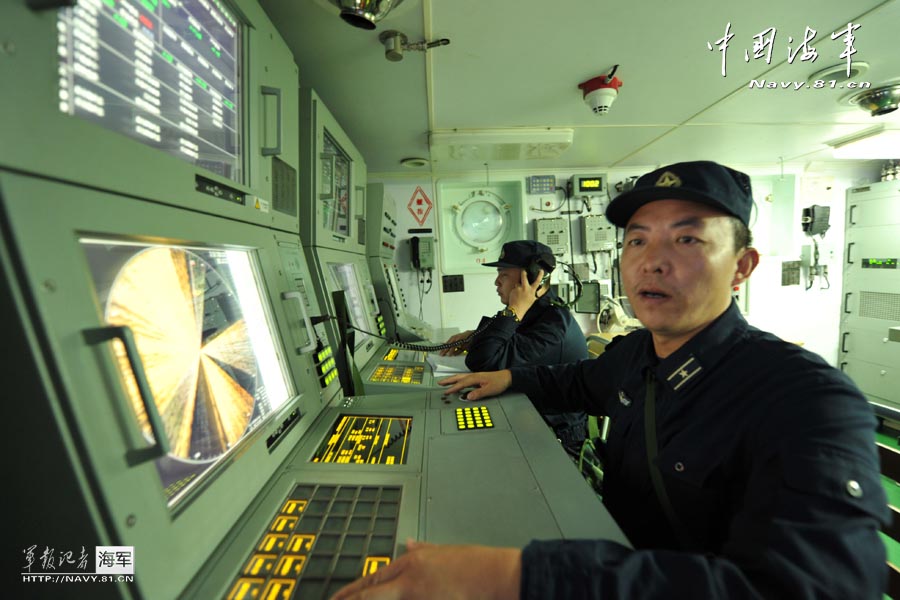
[[164, 72]]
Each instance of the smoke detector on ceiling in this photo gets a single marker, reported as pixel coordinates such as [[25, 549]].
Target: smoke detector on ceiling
[[365, 13], [600, 92]]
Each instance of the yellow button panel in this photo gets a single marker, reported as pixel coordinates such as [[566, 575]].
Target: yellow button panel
[[322, 538], [473, 417], [404, 375]]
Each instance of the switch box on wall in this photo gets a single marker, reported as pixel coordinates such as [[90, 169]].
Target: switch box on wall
[[554, 233]]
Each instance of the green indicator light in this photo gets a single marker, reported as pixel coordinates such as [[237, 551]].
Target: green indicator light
[[167, 56], [216, 51], [110, 3], [148, 5], [196, 32], [201, 83], [121, 21], [228, 103]]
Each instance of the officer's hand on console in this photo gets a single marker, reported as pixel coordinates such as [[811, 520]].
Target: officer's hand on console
[[524, 294], [442, 571], [486, 384], [457, 349]]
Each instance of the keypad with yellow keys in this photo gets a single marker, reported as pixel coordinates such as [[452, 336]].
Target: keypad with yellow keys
[[405, 375], [322, 538], [473, 417]]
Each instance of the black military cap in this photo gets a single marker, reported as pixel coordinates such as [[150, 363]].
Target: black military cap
[[701, 181], [522, 254]]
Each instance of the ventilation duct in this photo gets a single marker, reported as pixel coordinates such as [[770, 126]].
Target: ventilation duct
[[500, 144]]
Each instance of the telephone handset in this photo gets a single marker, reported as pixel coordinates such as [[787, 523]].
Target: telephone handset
[[415, 252]]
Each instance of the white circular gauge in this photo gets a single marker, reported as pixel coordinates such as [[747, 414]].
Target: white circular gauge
[[482, 220]]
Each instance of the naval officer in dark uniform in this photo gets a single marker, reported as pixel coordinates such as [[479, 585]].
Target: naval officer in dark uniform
[[739, 465]]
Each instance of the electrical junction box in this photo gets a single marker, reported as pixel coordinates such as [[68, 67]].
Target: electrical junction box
[[554, 233], [598, 234]]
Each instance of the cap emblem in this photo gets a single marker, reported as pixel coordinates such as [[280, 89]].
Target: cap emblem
[[668, 179]]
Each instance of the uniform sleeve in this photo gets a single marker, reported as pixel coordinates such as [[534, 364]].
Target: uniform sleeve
[[503, 343], [583, 386], [804, 523]]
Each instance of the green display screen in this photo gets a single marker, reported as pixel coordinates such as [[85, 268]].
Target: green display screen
[[879, 263]]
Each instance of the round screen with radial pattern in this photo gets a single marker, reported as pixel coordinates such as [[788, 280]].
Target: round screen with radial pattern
[[194, 345]]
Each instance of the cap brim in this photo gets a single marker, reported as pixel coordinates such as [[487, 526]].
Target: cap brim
[[501, 264], [622, 208]]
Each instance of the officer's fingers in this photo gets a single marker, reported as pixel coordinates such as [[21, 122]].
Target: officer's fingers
[[454, 383], [381, 585]]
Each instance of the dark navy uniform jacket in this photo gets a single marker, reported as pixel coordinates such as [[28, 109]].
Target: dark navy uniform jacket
[[768, 457], [547, 335]]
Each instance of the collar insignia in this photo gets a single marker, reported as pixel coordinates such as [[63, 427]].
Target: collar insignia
[[684, 372], [625, 400], [668, 179]]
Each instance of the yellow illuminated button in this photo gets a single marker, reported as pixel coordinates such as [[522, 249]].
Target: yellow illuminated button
[[260, 564], [283, 523], [292, 507], [273, 542], [290, 565], [373, 563], [301, 543], [246, 588], [279, 589]]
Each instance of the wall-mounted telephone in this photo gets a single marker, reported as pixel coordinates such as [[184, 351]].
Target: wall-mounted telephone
[[815, 220], [422, 252]]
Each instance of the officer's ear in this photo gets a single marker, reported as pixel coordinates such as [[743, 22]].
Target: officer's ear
[[746, 263]]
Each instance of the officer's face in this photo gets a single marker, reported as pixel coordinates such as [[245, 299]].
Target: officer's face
[[679, 266], [506, 280]]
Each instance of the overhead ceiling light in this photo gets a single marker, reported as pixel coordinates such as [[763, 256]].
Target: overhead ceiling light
[[877, 101], [414, 162], [364, 13], [500, 144], [838, 72], [873, 143]]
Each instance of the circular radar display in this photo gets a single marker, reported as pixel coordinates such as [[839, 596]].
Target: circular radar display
[[194, 346]]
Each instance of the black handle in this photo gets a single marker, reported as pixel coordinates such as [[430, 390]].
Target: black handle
[[846, 297], [850, 245], [843, 364], [123, 334], [844, 341], [850, 216]]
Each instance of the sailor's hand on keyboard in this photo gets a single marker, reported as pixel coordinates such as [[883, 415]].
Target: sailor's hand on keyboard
[[442, 571], [483, 385]]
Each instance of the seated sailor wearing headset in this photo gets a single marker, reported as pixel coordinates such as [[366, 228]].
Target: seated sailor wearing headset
[[534, 328]]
